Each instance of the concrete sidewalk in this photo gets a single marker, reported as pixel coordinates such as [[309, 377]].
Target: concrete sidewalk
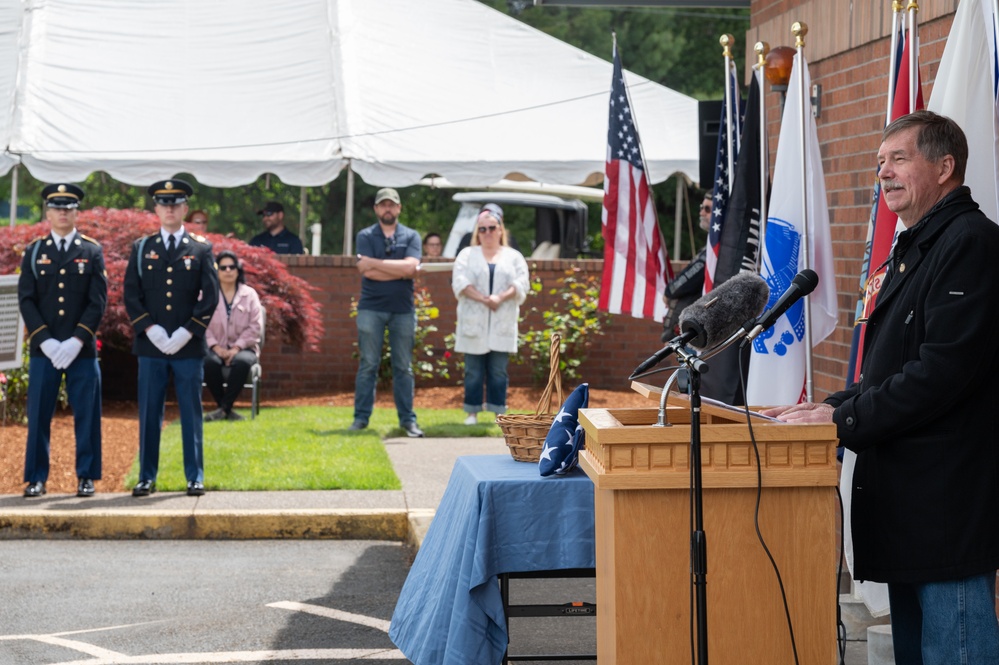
[[423, 466]]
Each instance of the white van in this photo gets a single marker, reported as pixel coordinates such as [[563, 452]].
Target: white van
[[560, 227]]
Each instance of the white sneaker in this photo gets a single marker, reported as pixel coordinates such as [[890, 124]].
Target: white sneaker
[[472, 419]]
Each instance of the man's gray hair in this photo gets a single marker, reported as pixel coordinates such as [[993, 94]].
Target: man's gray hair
[[937, 137]]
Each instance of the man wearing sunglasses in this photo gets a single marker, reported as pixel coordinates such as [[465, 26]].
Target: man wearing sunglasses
[[388, 255], [688, 284], [276, 237]]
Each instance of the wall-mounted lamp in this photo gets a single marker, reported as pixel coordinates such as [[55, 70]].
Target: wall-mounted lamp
[[778, 73]]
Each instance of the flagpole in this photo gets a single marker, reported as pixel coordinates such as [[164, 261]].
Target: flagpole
[[896, 9], [761, 49], [913, 63], [727, 41], [800, 29], [13, 195]]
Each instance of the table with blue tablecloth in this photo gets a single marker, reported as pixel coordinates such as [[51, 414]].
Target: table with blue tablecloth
[[497, 516]]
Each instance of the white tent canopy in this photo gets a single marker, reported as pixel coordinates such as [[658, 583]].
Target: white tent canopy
[[230, 89]]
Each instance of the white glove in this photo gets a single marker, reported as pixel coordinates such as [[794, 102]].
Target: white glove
[[49, 347], [157, 334], [67, 353], [178, 340]]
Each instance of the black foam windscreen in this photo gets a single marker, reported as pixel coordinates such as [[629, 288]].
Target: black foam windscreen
[[715, 316]]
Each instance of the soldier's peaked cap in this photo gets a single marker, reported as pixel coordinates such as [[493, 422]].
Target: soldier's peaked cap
[[62, 195], [170, 192]]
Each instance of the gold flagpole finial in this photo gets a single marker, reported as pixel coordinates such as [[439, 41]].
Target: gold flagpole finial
[[896, 6], [761, 49], [727, 42], [799, 29], [913, 6]]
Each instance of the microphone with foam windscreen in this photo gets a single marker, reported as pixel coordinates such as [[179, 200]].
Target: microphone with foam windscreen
[[713, 317], [802, 284], [719, 313]]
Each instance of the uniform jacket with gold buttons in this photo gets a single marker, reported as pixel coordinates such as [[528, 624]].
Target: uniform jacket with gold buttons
[[62, 297], [178, 290]]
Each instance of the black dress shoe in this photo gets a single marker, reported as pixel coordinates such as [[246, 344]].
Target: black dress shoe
[[194, 488], [217, 414], [144, 488], [34, 489], [85, 487]]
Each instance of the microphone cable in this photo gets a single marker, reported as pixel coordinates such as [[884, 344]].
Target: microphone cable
[[756, 511], [840, 626]]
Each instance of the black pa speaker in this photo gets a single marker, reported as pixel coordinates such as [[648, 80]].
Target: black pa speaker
[[708, 127]]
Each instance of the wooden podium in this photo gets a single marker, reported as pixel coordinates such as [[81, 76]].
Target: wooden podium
[[642, 506]]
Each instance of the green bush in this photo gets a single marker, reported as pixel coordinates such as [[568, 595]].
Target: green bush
[[574, 315], [14, 391]]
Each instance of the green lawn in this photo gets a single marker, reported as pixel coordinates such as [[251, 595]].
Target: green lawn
[[301, 448]]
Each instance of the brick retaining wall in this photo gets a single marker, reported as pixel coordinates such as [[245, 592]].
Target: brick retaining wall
[[288, 371]]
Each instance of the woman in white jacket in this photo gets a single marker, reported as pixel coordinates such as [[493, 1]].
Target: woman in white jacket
[[490, 281]]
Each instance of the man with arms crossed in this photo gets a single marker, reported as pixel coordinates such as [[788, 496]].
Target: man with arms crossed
[[926, 483], [388, 254]]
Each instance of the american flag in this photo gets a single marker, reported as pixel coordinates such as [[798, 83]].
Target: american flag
[[728, 154], [636, 267]]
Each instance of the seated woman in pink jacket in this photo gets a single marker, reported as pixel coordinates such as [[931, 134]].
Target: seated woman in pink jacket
[[233, 336]]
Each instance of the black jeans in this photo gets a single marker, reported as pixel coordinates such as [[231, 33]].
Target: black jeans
[[237, 372]]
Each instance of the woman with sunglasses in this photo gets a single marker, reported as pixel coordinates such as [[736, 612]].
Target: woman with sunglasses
[[233, 336], [490, 280]]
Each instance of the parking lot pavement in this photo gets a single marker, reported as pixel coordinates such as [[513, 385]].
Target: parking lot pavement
[[100, 602]]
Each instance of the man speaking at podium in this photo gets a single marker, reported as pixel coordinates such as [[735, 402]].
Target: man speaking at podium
[[922, 416]]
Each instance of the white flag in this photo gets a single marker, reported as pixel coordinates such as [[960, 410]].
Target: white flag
[[777, 364], [965, 91]]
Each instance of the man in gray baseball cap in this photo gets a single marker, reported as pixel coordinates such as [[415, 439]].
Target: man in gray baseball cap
[[387, 194], [388, 255]]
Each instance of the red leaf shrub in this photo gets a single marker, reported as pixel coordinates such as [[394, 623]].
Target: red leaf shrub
[[292, 313]]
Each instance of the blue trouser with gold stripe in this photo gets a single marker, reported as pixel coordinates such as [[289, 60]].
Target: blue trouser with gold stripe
[[154, 375], [83, 385]]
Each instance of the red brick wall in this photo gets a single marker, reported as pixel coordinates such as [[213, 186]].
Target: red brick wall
[[288, 371], [853, 73]]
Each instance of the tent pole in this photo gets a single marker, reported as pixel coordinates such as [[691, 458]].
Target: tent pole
[[13, 195], [348, 214], [303, 213], [677, 221]]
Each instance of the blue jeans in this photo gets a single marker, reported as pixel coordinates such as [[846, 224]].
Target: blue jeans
[[945, 623], [489, 369], [371, 326], [154, 375]]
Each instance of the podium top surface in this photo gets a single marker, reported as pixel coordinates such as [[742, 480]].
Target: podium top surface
[[626, 448]]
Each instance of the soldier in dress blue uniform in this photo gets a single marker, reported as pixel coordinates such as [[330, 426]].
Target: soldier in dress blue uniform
[[171, 289], [62, 292]]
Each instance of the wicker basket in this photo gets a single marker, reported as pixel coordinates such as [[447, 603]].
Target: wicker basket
[[525, 433]]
